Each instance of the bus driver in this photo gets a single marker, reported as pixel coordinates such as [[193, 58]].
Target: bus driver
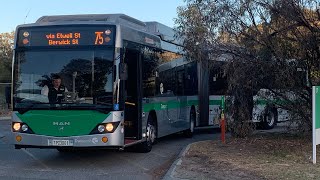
[[55, 90]]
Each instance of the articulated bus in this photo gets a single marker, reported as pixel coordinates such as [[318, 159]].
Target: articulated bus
[[266, 112], [123, 82]]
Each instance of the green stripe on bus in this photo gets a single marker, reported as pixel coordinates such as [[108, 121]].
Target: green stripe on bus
[[62, 123], [172, 104], [262, 102], [193, 102], [215, 102], [258, 102], [265, 102]]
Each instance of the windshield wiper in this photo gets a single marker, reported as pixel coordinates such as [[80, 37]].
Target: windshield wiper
[[103, 110], [26, 109], [29, 107]]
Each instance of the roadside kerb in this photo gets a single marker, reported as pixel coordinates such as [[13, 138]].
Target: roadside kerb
[[170, 175]]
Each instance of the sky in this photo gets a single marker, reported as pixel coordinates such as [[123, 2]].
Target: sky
[[15, 12]]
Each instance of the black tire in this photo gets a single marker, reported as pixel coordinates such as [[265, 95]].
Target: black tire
[[151, 133], [189, 132], [269, 119]]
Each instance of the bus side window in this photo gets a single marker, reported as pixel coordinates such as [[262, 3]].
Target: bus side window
[[168, 83], [180, 82], [149, 66], [191, 80]]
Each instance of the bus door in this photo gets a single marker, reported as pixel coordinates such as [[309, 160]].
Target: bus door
[[133, 94]]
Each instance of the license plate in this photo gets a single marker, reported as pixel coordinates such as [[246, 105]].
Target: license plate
[[59, 142]]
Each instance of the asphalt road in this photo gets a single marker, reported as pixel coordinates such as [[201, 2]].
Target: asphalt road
[[98, 164]]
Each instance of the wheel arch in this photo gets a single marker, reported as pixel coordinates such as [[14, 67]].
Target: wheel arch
[[193, 110], [153, 115], [273, 108]]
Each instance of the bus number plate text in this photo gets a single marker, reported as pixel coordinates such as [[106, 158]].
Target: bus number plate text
[[58, 142]]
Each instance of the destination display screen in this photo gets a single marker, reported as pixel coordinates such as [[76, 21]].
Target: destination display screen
[[66, 36]]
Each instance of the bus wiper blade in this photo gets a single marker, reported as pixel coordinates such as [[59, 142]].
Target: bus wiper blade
[[24, 110], [28, 108], [104, 111], [100, 109], [88, 107]]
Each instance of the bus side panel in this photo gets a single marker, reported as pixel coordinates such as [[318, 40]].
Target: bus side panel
[[193, 101], [214, 110], [166, 113]]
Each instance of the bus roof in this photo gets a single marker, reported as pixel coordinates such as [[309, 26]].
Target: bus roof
[[92, 18], [166, 33]]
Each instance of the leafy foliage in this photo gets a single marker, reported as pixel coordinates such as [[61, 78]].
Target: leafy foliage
[[270, 44], [6, 54]]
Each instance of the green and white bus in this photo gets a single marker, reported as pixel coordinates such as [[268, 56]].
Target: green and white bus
[[266, 111], [125, 83]]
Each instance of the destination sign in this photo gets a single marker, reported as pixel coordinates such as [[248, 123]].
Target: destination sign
[[66, 36], [63, 38]]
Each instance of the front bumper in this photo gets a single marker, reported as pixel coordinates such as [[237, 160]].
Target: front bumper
[[40, 141]]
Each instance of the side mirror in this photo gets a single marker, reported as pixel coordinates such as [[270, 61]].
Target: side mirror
[[123, 71]]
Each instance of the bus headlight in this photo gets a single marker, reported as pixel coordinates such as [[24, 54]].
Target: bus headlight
[[109, 127], [16, 126], [24, 127], [21, 127], [101, 128]]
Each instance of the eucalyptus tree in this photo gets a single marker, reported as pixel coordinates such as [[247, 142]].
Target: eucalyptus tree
[[6, 50], [270, 44]]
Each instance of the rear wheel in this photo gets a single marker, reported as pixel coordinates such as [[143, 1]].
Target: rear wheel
[[151, 135], [189, 133], [269, 119]]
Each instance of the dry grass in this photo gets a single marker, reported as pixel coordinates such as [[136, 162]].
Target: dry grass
[[266, 156]]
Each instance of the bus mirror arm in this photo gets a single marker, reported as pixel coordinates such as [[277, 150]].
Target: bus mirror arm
[[123, 71]]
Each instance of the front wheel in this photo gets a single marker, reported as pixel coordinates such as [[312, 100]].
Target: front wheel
[[151, 136]]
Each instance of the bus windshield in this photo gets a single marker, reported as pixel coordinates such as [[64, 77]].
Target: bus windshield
[[73, 77]]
